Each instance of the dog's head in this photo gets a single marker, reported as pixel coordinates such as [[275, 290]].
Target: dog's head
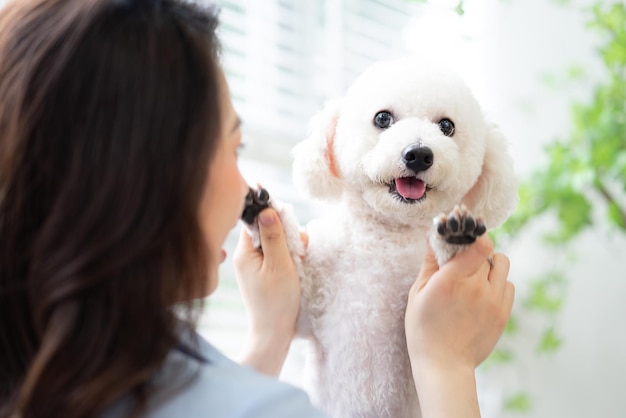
[[410, 141]]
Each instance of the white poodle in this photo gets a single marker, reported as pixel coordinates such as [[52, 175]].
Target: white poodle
[[407, 143]]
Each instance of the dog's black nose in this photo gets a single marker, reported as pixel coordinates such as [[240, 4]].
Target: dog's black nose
[[417, 158]]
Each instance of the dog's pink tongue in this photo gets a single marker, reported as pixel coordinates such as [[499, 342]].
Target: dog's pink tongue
[[410, 187]]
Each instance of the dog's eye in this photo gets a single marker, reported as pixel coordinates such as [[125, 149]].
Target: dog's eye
[[383, 119], [447, 127]]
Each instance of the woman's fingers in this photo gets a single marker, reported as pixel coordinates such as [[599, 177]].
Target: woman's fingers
[[472, 259], [509, 296], [499, 272], [429, 267], [503, 290], [272, 236]]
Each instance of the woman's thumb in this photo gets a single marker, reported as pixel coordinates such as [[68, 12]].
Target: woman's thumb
[[272, 235], [429, 267]]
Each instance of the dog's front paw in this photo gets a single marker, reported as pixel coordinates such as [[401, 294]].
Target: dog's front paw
[[459, 226], [256, 201], [259, 199]]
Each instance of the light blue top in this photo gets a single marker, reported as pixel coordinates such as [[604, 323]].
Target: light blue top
[[205, 383]]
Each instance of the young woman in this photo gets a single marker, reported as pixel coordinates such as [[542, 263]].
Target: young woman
[[118, 186]]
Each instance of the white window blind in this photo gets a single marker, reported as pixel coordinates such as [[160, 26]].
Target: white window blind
[[268, 63], [285, 58]]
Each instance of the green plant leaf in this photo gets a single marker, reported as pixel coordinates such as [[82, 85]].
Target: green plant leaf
[[576, 73], [519, 402], [574, 214], [616, 215], [511, 326], [546, 294], [550, 341], [459, 9]]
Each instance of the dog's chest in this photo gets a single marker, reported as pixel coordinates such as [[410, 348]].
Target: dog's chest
[[368, 269], [359, 254]]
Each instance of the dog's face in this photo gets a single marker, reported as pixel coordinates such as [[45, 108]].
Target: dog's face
[[409, 141]]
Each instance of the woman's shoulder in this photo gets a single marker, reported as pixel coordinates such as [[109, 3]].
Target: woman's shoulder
[[203, 382]]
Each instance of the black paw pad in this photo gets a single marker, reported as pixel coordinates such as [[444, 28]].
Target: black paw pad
[[256, 201], [459, 226]]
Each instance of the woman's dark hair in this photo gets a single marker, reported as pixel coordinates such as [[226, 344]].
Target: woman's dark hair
[[109, 116]]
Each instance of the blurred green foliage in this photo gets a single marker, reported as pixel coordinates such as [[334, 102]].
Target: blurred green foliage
[[582, 185], [583, 168], [519, 402]]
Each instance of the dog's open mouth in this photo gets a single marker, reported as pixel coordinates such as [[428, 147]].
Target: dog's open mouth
[[409, 189]]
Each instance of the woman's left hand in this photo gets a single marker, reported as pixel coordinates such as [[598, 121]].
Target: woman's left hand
[[270, 289]]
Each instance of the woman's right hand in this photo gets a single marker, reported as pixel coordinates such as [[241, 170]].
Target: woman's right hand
[[270, 288], [454, 318]]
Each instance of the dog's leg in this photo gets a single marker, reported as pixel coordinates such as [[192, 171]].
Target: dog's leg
[[256, 201], [454, 232]]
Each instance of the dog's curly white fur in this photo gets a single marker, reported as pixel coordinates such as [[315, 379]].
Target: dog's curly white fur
[[363, 257]]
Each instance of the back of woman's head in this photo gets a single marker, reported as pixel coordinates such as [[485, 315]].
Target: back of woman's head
[[108, 118]]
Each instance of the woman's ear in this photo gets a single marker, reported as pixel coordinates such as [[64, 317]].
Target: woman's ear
[[494, 196], [315, 169]]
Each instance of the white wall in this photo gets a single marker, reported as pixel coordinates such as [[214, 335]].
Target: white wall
[[586, 377]]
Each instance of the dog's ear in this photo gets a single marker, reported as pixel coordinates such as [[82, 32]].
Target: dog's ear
[[315, 169], [494, 196]]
